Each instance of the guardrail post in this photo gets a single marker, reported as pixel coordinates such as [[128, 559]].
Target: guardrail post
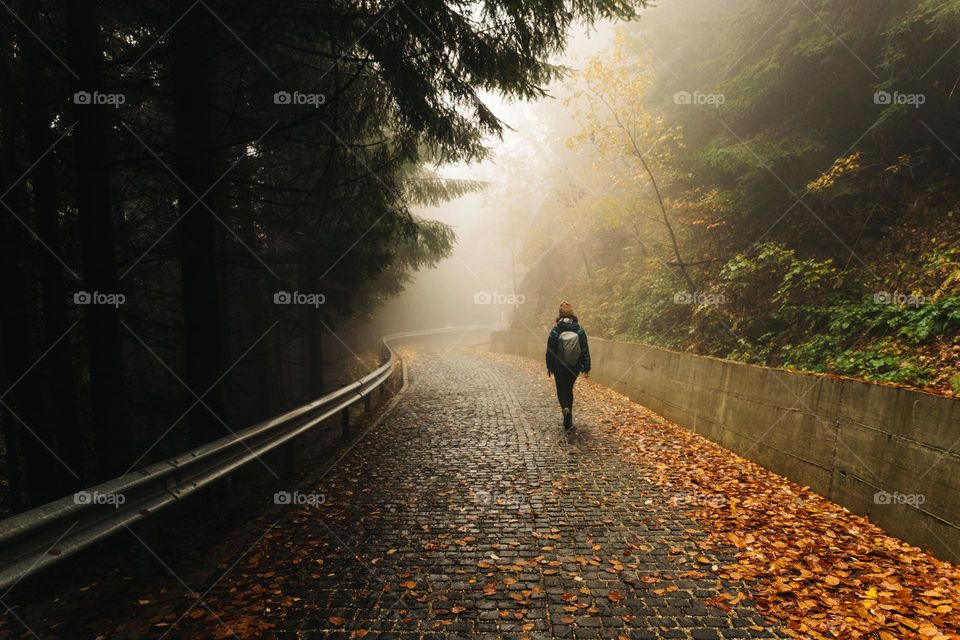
[[345, 422], [366, 403]]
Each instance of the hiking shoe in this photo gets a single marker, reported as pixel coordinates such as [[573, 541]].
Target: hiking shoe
[[567, 418]]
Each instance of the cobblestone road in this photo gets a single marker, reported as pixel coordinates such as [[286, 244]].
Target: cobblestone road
[[469, 513]]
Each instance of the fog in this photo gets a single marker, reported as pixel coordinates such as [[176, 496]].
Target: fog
[[477, 284], [727, 177], [213, 213]]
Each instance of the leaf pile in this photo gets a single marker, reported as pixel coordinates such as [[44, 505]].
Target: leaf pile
[[823, 571]]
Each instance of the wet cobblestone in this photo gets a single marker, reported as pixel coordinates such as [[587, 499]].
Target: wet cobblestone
[[469, 513]]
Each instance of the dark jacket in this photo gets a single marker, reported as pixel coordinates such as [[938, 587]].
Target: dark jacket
[[553, 344]]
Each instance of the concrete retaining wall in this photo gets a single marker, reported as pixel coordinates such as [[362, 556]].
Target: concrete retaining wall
[[845, 439]]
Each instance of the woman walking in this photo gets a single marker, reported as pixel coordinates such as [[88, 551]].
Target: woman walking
[[567, 356]]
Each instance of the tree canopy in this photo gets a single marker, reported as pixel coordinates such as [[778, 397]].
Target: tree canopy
[[175, 171], [805, 156]]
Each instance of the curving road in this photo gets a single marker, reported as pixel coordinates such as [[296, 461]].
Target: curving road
[[468, 513]]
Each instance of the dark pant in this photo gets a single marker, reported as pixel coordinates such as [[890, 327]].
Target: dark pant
[[565, 379]]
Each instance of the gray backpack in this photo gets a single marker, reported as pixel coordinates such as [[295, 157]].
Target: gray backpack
[[568, 348]]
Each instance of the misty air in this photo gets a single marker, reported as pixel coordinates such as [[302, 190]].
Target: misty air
[[480, 319]]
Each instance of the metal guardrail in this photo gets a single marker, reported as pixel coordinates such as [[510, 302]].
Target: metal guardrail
[[36, 539]]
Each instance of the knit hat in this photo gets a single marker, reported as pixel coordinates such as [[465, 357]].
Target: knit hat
[[566, 309]]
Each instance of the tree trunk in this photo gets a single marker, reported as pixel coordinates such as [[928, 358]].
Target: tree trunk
[[205, 348], [259, 298], [24, 402], [314, 332], [656, 188], [97, 253], [58, 363], [11, 428]]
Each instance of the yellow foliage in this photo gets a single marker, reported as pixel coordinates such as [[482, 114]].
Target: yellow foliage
[[904, 161], [841, 166], [608, 99]]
